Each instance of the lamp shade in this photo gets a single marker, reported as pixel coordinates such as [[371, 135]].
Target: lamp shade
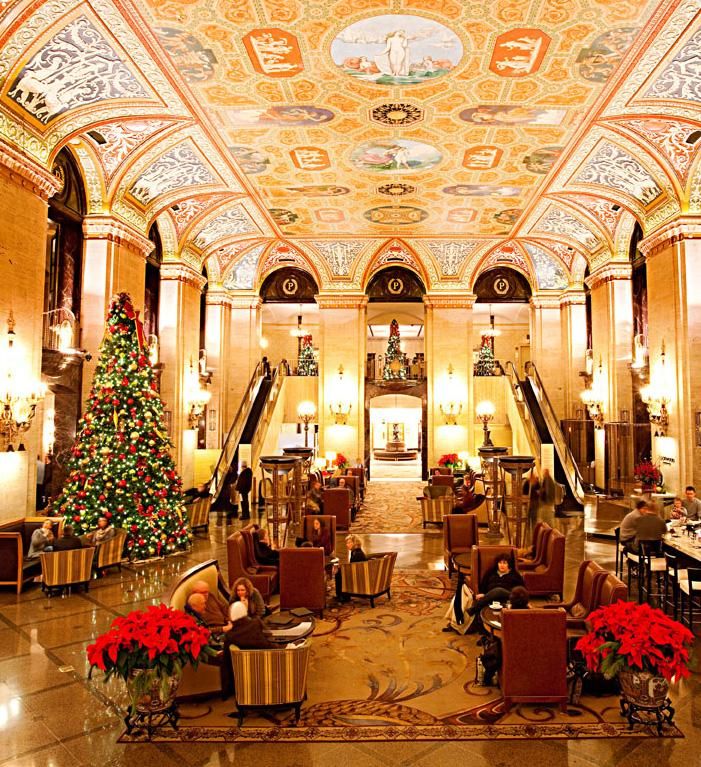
[[306, 409], [485, 408]]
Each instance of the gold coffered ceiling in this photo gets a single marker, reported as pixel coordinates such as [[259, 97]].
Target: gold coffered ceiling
[[466, 133]]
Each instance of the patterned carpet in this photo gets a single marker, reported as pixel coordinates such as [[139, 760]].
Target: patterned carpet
[[391, 674], [390, 507]]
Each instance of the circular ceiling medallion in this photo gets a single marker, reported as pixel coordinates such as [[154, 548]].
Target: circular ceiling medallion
[[396, 190], [396, 49], [397, 114], [396, 215], [395, 156]]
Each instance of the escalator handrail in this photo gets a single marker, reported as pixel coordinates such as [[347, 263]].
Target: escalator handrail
[[520, 400], [266, 414], [234, 434], [558, 438]]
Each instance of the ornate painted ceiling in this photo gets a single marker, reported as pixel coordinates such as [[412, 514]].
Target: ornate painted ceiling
[[448, 135]]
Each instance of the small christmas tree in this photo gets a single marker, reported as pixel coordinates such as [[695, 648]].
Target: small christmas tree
[[120, 466], [307, 363], [485, 359], [394, 357]]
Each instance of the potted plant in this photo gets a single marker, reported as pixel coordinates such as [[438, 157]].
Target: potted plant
[[641, 646], [450, 460], [340, 461], [649, 475], [148, 649]]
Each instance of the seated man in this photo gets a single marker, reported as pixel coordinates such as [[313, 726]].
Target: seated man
[[265, 553], [68, 540], [197, 607], [649, 527], [691, 504], [314, 503], [214, 613], [105, 531], [628, 525]]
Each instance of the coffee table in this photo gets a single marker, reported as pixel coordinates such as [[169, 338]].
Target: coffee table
[[293, 621]]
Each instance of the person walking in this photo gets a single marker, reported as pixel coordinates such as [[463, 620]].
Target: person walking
[[244, 483]]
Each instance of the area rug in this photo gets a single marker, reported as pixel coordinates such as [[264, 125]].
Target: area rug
[[391, 674], [391, 507]]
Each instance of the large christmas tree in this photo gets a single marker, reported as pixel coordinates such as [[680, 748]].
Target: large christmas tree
[[307, 363], [394, 357], [120, 466], [485, 358]]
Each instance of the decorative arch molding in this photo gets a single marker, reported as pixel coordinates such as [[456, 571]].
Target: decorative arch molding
[[586, 213], [621, 244], [606, 213], [553, 220], [394, 253], [282, 254], [92, 175], [223, 224], [506, 254], [169, 240]]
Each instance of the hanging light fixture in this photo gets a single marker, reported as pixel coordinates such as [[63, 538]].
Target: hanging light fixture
[[491, 331]]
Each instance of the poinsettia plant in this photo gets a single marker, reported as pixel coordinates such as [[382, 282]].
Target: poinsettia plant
[[159, 638], [648, 473], [341, 461], [448, 459], [636, 637]]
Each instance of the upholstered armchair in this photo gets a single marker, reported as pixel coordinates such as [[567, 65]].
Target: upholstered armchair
[[329, 522], [541, 534], [63, 569], [15, 537], [303, 579], [586, 594], [548, 577], [447, 480], [369, 579], [442, 470], [612, 590], [337, 504], [459, 536], [111, 552], [198, 513], [534, 657], [434, 509], [359, 472], [206, 679], [484, 559], [270, 678], [263, 577]]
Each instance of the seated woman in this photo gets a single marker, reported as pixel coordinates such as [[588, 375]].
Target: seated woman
[[265, 553], [245, 592], [320, 537], [314, 503], [497, 584], [357, 554]]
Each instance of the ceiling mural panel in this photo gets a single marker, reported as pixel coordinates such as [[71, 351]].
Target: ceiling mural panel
[[680, 78], [339, 256], [233, 221], [548, 271], [451, 255], [186, 211], [243, 274], [557, 221], [607, 213]]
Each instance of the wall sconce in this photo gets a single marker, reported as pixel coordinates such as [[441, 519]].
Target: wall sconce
[[19, 395], [485, 412], [593, 398], [306, 412], [197, 396], [654, 396], [339, 409], [452, 410]]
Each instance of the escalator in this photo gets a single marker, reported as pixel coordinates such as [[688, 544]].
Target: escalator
[[256, 411], [543, 428]]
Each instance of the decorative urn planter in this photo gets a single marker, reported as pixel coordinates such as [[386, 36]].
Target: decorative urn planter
[[643, 688], [151, 693]]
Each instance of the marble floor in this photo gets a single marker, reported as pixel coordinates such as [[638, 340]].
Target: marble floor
[[52, 716]]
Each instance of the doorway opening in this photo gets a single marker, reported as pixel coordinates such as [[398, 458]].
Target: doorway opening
[[396, 437]]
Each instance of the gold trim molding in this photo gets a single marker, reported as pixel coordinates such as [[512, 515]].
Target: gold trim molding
[[182, 273], [545, 301], [676, 231], [573, 298], [336, 301], [114, 230], [609, 273], [449, 300], [28, 172]]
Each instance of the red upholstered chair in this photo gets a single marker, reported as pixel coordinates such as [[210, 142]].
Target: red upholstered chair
[[612, 590], [459, 536], [337, 504], [302, 579], [354, 484], [247, 533], [445, 480], [534, 657], [359, 472], [446, 470], [541, 533], [548, 577], [484, 559], [586, 594], [239, 565], [329, 522]]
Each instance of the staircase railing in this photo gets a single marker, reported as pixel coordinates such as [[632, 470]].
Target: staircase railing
[[567, 461], [231, 442], [266, 416]]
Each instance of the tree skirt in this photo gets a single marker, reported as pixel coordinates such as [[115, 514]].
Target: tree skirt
[[391, 674]]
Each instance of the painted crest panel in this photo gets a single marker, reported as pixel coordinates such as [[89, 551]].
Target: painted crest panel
[[250, 160], [194, 62], [329, 215], [482, 190], [273, 52], [599, 60], [279, 117], [310, 158], [319, 190], [461, 215], [482, 157], [519, 52], [541, 160]]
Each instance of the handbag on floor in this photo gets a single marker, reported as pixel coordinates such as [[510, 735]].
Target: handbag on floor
[[467, 599]]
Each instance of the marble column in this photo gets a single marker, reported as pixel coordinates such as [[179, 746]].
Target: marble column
[[449, 341], [217, 344], [114, 261], [573, 324], [179, 336], [25, 188], [547, 351], [342, 341], [244, 351]]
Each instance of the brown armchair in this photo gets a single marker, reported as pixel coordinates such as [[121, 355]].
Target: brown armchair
[[433, 510], [445, 480], [484, 559], [612, 590], [329, 522], [369, 579], [459, 536], [443, 470], [548, 577], [586, 594], [15, 537], [541, 534], [303, 579], [337, 504], [239, 565], [111, 552], [359, 472], [198, 513], [534, 657]]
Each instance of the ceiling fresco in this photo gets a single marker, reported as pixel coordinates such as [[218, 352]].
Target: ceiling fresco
[[518, 131]]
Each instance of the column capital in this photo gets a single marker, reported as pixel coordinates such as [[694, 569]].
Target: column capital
[[341, 300], [545, 301], [243, 299], [28, 173], [114, 230], [682, 228], [217, 295], [573, 297], [181, 272], [616, 270], [449, 300]]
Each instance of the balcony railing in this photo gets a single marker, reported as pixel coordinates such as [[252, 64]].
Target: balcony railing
[[377, 368]]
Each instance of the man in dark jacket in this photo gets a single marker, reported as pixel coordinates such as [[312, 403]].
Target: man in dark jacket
[[68, 540], [244, 484]]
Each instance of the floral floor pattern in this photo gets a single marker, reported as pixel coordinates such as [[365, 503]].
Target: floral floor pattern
[[391, 674], [390, 507]]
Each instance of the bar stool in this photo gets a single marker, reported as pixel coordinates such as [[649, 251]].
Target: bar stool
[[671, 582], [689, 588], [652, 563], [620, 553]]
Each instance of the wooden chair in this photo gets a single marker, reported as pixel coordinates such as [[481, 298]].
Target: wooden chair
[[270, 678], [690, 590], [434, 509], [548, 577], [206, 679], [62, 569], [484, 559], [534, 657], [460, 534], [329, 522], [198, 513], [263, 577], [303, 579], [586, 594], [369, 579], [337, 504], [111, 552]]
